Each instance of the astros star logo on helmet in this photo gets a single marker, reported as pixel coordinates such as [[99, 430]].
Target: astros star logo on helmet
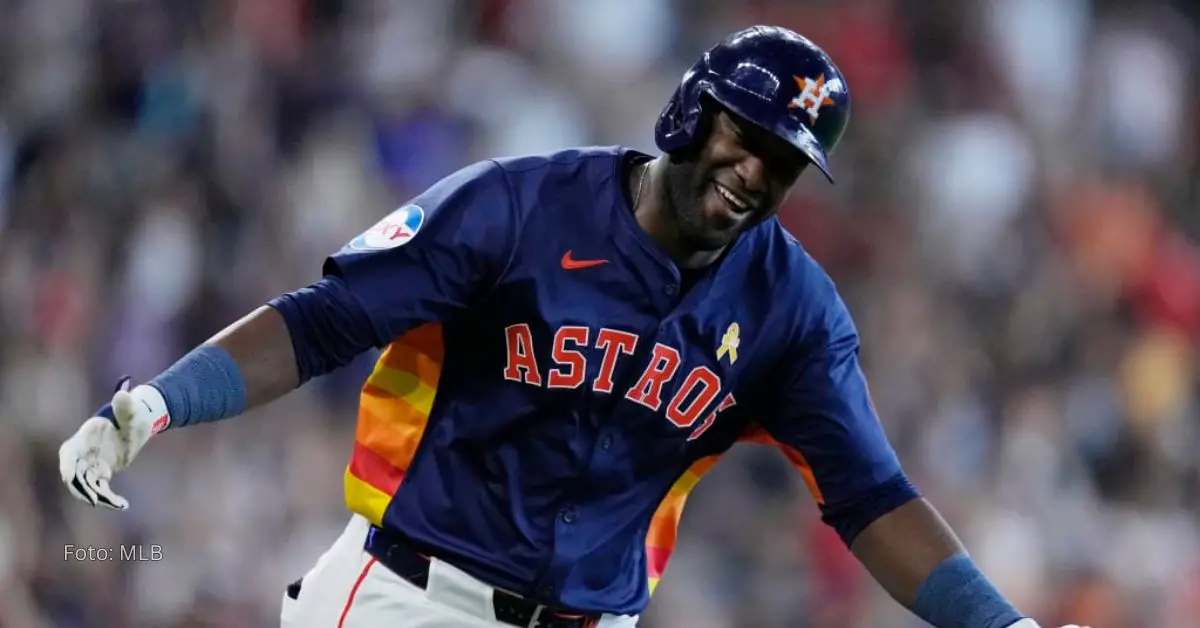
[[813, 95]]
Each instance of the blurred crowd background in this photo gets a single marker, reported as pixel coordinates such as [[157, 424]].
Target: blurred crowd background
[[1013, 226]]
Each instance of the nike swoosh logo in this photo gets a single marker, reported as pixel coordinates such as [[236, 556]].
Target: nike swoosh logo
[[575, 264]]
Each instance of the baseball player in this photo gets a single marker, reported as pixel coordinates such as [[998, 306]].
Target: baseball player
[[570, 342]]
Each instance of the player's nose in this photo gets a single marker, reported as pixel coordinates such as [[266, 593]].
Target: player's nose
[[752, 171]]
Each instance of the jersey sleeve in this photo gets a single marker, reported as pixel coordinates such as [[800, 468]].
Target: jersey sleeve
[[435, 255], [825, 422]]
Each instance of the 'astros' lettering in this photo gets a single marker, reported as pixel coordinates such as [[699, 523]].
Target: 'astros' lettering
[[696, 394]]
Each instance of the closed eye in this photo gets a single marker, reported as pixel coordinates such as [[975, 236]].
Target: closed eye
[[784, 161]]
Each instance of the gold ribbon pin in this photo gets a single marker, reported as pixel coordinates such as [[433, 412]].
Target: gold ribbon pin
[[729, 343]]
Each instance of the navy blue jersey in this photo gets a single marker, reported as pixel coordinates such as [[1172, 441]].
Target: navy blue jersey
[[550, 394]]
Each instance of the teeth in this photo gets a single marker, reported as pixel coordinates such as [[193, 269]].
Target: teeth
[[733, 200]]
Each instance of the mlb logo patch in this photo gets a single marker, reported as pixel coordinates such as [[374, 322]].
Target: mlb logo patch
[[396, 229]]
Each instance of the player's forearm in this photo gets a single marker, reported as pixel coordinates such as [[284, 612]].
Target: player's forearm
[[247, 364], [916, 557], [269, 352], [903, 547], [261, 347]]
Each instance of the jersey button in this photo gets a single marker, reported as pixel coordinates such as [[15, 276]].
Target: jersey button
[[606, 443], [671, 289], [568, 515]]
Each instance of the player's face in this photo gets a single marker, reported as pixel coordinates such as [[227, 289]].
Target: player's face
[[738, 178]]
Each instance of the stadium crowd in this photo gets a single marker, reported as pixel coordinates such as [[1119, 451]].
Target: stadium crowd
[[1012, 225]]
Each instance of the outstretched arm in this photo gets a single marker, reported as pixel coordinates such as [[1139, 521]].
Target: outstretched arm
[[423, 262], [912, 552], [827, 424], [252, 362], [263, 356]]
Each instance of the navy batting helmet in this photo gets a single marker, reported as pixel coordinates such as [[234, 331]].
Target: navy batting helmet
[[772, 77]]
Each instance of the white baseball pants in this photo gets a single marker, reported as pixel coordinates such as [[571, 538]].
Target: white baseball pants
[[348, 588]]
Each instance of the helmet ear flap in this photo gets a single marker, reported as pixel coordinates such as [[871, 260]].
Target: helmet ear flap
[[709, 108], [674, 116]]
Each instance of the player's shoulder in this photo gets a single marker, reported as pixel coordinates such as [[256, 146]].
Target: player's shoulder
[[561, 173], [565, 160], [803, 295], [790, 270], [520, 170], [527, 180], [571, 184]]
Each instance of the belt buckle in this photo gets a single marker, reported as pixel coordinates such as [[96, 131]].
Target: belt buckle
[[585, 621], [535, 619]]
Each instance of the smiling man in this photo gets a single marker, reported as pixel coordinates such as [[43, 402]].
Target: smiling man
[[571, 341]]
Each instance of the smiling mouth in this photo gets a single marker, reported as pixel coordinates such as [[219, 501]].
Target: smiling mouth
[[737, 203]]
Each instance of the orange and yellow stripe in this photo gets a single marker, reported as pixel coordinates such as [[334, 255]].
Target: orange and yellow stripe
[[393, 412], [664, 525]]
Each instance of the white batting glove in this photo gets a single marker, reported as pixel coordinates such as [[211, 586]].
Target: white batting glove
[[88, 460], [1029, 623]]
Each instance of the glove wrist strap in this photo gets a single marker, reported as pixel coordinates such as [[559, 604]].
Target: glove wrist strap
[[153, 400]]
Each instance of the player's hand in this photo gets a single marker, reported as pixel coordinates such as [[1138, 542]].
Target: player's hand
[[1029, 623], [101, 447]]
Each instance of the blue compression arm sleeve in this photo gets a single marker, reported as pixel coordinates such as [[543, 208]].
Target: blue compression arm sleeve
[[957, 595], [203, 386]]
